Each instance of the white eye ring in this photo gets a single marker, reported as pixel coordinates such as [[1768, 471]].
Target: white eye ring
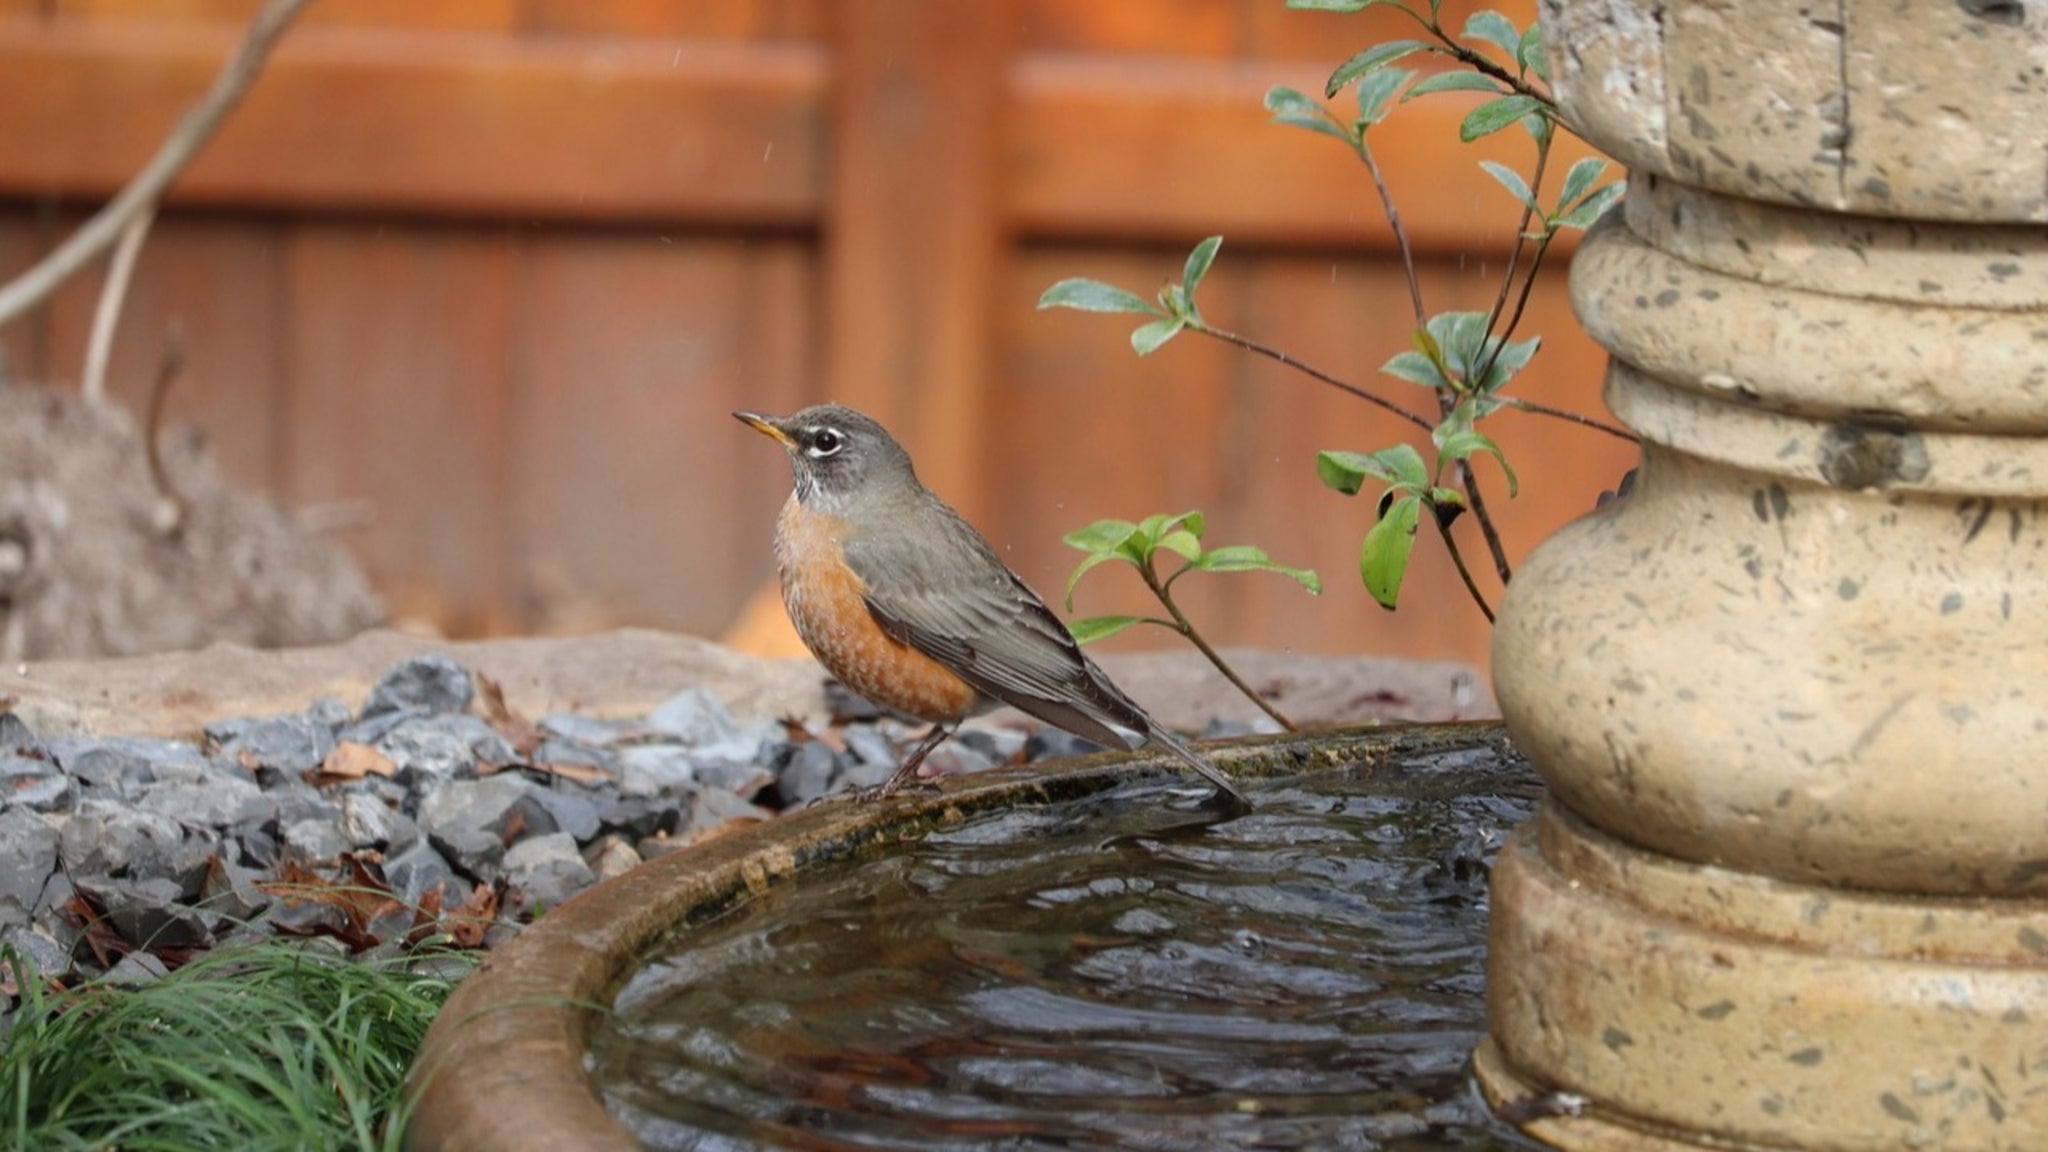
[[827, 442]]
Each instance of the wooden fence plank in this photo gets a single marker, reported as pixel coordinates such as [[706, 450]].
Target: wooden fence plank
[[910, 257], [397, 399], [373, 121]]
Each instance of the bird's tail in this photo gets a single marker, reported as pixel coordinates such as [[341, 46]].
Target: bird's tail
[[1225, 790]]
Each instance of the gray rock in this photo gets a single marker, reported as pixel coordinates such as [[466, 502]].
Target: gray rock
[[218, 800], [331, 712], [28, 856], [639, 817], [289, 744], [102, 836], [104, 765], [433, 682], [146, 913], [590, 731], [546, 870], [858, 773], [611, 855], [657, 770], [468, 819], [572, 752], [230, 895], [429, 749], [43, 951], [714, 808], [1000, 745], [136, 969], [368, 822], [869, 746], [808, 772], [695, 717], [304, 803], [1057, 743], [29, 782], [15, 734], [183, 863], [955, 757], [371, 729], [419, 870], [572, 813], [313, 841]]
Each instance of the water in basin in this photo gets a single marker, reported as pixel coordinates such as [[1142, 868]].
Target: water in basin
[[1118, 972]]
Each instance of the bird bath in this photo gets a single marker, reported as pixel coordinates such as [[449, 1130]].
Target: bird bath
[[1080, 958]]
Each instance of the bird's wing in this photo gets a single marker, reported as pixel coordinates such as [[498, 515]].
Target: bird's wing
[[938, 587]]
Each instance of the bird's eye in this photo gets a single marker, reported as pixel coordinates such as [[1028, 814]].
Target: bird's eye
[[825, 443]]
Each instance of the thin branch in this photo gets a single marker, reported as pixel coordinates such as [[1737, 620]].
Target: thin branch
[[1187, 629], [1379, 182], [1507, 282], [1464, 573], [1493, 542], [1280, 357], [1568, 416], [191, 133], [168, 369], [106, 316]]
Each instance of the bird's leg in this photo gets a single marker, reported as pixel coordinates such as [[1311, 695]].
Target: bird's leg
[[907, 771]]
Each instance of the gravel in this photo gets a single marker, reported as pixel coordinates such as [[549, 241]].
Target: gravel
[[118, 853]]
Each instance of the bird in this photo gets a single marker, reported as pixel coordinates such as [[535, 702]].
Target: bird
[[902, 600]]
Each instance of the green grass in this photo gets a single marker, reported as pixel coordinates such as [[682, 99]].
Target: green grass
[[280, 1045]]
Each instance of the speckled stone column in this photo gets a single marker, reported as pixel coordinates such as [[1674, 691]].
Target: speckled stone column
[[1791, 696]]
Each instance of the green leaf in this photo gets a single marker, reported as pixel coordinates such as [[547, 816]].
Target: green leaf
[[1248, 558], [1461, 444], [1383, 558], [1370, 61], [1147, 338], [1093, 559], [1513, 182], [1529, 54], [1097, 627], [1495, 29], [1157, 525], [1508, 360], [1593, 206], [1101, 536], [1400, 465], [1451, 82], [1289, 106], [1375, 91], [1183, 543], [1460, 338], [1204, 254], [1495, 115], [1416, 368], [1093, 296], [1583, 175]]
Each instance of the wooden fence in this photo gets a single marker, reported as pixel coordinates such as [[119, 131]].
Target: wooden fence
[[493, 272]]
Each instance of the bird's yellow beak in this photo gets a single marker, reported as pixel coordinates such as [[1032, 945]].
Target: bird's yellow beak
[[765, 425]]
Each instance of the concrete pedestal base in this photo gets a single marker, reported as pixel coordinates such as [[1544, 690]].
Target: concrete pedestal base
[[1754, 1013]]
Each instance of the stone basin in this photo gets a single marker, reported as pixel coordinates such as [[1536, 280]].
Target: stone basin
[[508, 1062]]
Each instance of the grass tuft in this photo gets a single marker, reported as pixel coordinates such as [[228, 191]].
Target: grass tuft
[[277, 1045]]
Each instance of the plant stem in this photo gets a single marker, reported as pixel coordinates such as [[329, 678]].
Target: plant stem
[[1280, 357], [1187, 629], [1535, 408], [1507, 282], [1379, 182], [1486, 529], [1464, 573]]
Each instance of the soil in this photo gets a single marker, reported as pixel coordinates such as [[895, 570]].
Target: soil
[[96, 561]]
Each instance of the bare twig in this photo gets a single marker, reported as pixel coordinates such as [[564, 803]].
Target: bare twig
[[106, 316], [1274, 354], [1182, 625], [191, 133], [168, 369], [1494, 547], [1379, 182], [1464, 573], [1568, 416]]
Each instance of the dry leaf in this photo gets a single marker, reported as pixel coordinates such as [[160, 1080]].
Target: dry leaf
[[351, 761], [518, 731]]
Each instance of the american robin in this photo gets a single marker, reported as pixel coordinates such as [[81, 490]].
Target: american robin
[[901, 599]]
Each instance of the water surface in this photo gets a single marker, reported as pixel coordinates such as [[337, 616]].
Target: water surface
[[1113, 973]]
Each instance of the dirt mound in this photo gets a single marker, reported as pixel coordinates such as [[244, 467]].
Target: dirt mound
[[95, 561]]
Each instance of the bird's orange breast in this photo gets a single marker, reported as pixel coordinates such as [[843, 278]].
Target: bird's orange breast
[[827, 602]]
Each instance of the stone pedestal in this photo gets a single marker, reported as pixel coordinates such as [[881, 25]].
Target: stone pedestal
[[1791, 696]]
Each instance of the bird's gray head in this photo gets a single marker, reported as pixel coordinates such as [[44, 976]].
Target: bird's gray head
[[837, 454]]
